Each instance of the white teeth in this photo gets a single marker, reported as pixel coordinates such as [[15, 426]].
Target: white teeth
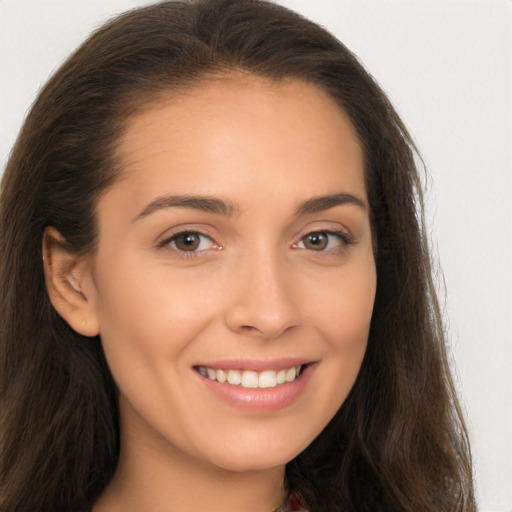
[[251, 379], [290, 375], [221, 376], [268, 379], [234, 377]]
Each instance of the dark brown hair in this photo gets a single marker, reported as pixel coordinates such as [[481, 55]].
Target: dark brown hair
[[398, 443]]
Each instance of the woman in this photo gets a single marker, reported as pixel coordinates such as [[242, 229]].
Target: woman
[[219, 289]]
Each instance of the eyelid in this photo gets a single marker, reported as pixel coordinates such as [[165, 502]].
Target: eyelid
[[168, 238], [185, 227], [345, 238]]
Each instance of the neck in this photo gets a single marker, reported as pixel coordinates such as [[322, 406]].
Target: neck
[[155, 477]]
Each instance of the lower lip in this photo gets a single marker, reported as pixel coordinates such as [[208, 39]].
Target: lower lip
[[258, 399]]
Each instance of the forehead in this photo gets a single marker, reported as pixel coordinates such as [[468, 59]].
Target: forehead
[[229, 127]]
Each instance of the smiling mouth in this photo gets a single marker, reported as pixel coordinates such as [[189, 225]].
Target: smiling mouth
[[252, 379]]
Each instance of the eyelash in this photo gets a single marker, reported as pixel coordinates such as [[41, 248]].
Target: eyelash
[[171, 242], [344, 239]]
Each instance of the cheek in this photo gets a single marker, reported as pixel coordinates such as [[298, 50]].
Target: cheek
[[149, 325], [344, 306], [138, 296], [344, 316], [148, 318]]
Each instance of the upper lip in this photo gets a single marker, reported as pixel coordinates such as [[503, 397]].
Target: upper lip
[[257, 365]]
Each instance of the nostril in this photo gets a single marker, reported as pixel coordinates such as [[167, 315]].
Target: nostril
[[249, 328]]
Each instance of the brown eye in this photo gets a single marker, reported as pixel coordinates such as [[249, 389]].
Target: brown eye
[[316, 241], [324, 241], [187, 241], [190, 241]]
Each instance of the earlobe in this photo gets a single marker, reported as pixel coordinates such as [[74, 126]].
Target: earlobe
[[69, 284]]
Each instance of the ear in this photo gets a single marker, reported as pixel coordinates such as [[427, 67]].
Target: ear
[[69, 284]]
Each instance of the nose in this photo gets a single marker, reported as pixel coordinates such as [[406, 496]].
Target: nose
[[263, 302]]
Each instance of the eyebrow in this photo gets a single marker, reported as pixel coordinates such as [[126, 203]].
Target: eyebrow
[[228, 209], [321, 203], [203, 203]]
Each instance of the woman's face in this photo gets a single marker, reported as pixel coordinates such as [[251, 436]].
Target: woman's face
[[236, 245]]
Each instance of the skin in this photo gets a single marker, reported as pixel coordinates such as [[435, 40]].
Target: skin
[[258, 287]]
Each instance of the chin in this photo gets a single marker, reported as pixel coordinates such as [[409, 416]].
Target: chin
[[258, 457]]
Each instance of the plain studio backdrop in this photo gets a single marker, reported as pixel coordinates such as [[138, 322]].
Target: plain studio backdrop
[[446, 65]]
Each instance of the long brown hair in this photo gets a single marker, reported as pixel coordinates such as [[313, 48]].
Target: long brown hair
[[398, 443]]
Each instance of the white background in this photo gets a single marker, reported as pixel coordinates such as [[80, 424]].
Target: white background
[[447, 67]]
